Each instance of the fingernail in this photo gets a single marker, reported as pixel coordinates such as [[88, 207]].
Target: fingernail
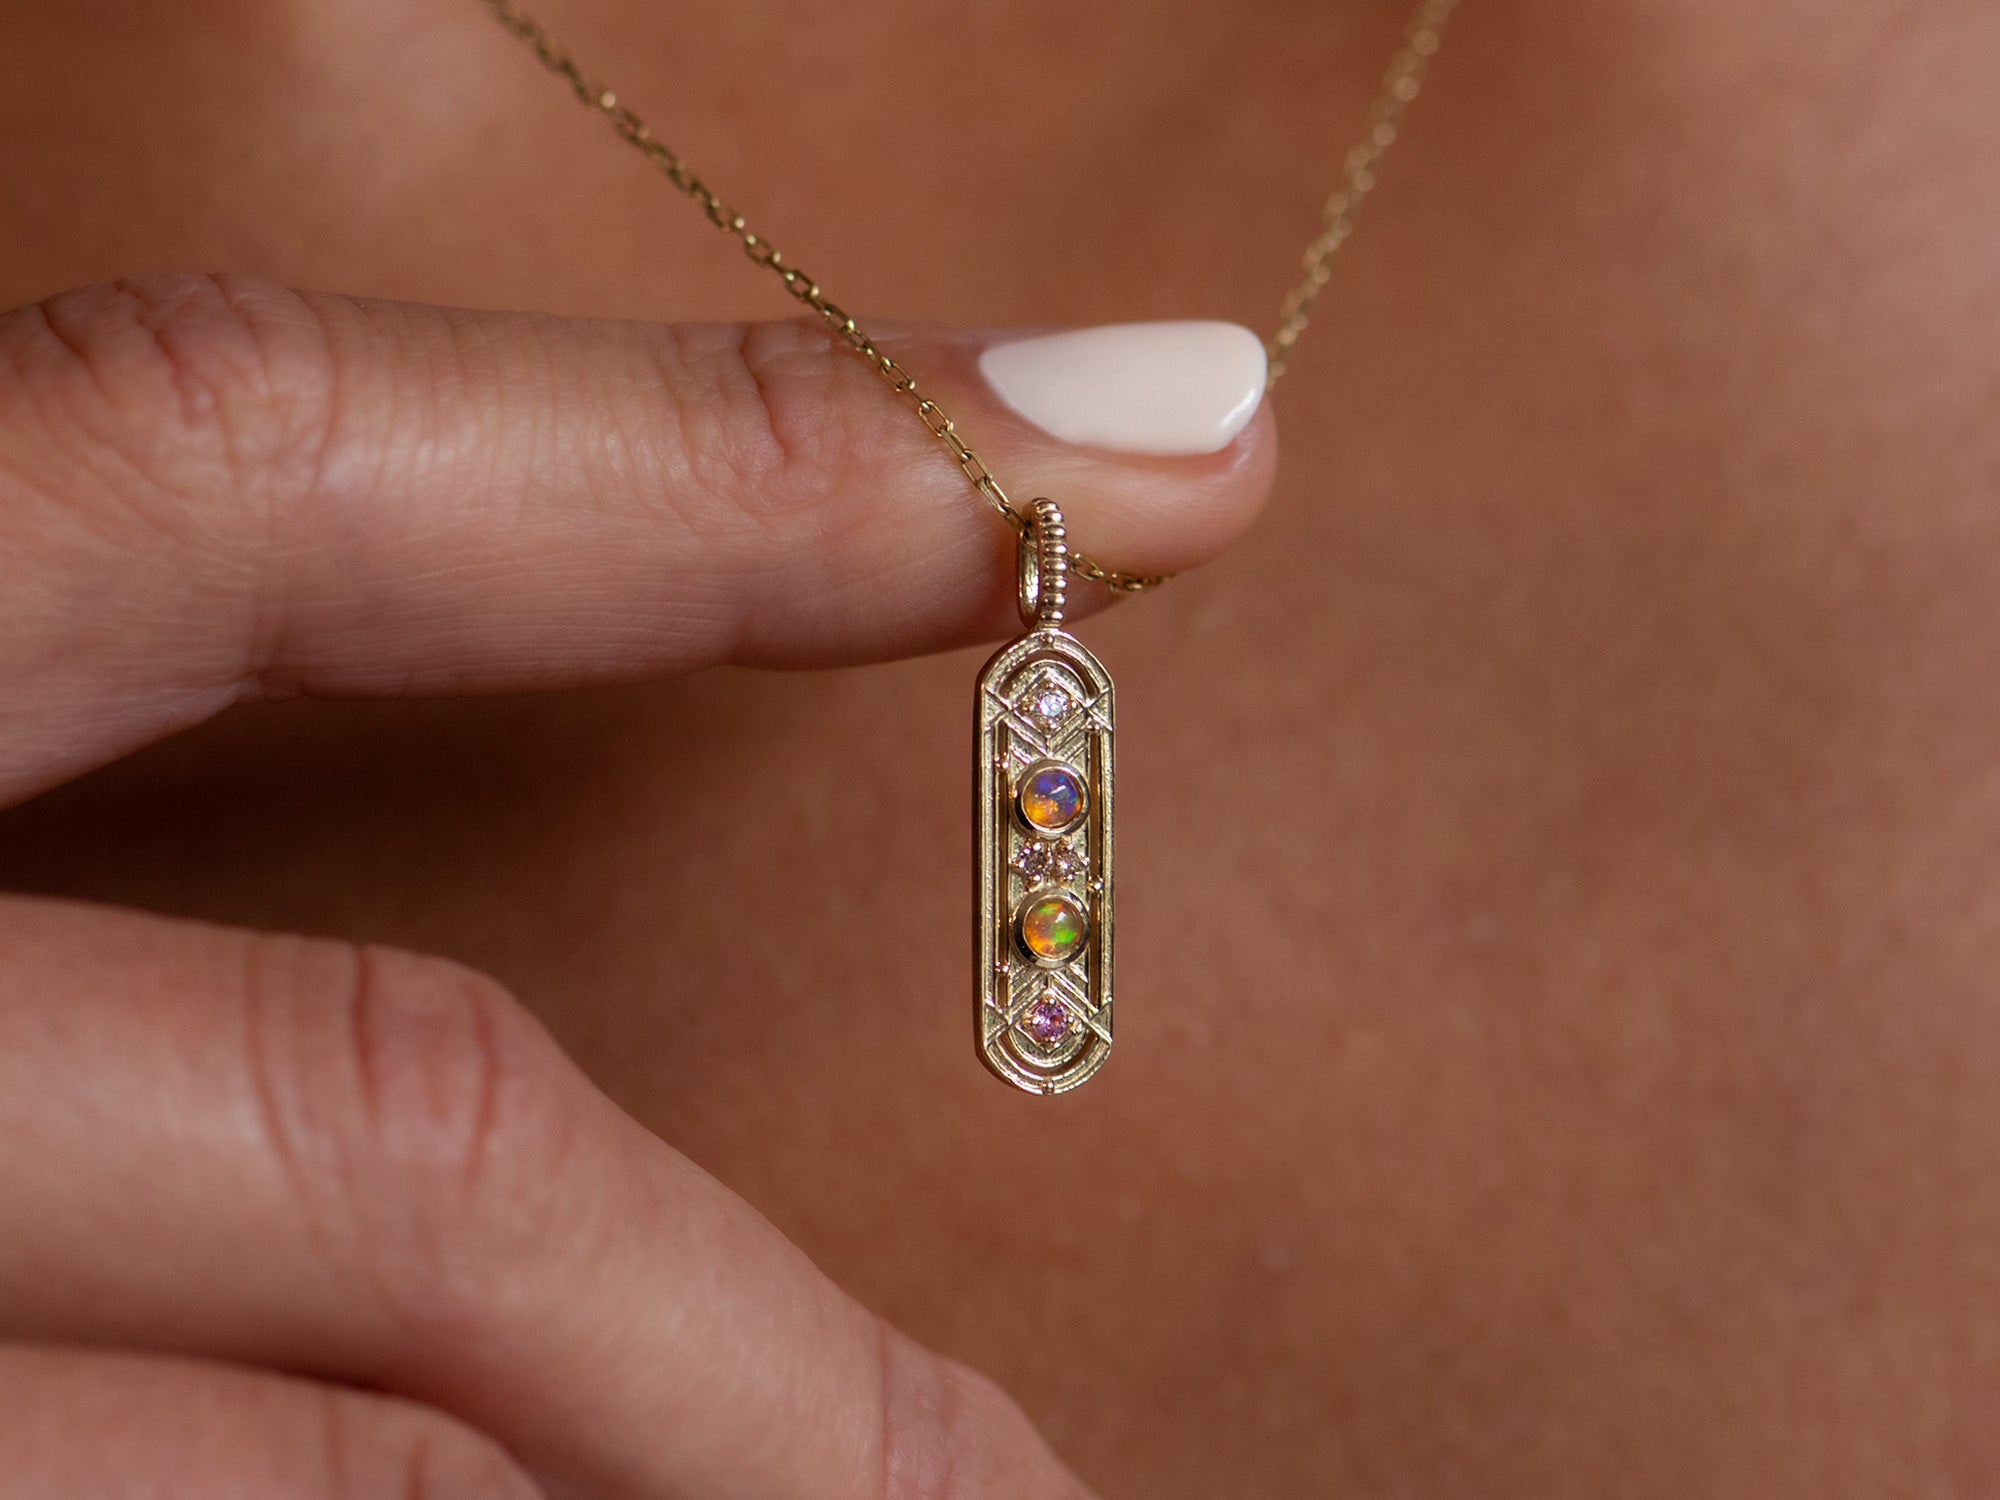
[[1158, 388]]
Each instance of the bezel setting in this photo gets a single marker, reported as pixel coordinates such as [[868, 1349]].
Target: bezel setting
[[1024, 783], [1033, 902]]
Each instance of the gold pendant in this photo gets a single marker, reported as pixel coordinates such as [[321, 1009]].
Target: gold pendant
[[1043, 742]]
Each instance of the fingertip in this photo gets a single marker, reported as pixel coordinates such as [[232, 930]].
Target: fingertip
[[1165, 515], [1146, 492]]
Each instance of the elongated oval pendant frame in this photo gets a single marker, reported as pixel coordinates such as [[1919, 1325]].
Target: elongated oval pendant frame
[[1043, 1027]]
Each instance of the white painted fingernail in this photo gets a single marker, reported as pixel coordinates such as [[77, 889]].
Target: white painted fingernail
[[1159, 388]]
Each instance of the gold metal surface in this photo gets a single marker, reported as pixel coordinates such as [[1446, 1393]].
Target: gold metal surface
[[1009, 743], [1044, 702]]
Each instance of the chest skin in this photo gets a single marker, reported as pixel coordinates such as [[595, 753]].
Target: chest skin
[[1557, 852]]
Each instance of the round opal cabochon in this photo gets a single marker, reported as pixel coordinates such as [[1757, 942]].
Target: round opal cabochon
[[1051, 798], [1053, 928]]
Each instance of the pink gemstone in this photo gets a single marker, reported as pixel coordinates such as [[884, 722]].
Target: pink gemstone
[[1046, 1021]]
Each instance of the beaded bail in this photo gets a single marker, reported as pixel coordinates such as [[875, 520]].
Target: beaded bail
[[1044, 566]]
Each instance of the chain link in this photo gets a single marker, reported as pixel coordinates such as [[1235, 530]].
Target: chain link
[[1400, 87], [1404, 81]]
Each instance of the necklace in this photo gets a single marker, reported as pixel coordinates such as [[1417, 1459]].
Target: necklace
[[1044, 729]]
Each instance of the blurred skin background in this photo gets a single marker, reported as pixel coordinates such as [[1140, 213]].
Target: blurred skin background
[[1558, 849]]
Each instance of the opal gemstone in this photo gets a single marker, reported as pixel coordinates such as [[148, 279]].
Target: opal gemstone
[[1052, 799], [1053, 928], [1047, 1021]]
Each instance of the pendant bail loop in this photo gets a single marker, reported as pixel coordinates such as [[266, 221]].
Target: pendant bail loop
[[1044, 566]]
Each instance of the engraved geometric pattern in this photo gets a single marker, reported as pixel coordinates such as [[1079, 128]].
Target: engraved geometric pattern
[[1043, 700]]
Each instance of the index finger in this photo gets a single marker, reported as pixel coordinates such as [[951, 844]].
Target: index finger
[[214, 488]]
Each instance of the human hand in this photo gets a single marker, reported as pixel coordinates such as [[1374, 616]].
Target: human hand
[[290, 1217]]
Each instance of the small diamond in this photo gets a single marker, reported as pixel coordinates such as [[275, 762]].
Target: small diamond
[[1046, 863], [1046, 701], [1048, 1021]]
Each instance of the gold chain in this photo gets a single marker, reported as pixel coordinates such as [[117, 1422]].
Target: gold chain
[[1402, 84]]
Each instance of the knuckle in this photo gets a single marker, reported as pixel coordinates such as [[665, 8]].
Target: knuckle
[[416, 1111], [949, 1433], [205, 384], [757, 407], [376, 1448]]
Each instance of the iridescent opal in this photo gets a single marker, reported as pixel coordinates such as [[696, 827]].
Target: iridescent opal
[[1053, 928], [1051, 799]]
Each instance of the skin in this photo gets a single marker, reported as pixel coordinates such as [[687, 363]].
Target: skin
[[1558, 844]]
